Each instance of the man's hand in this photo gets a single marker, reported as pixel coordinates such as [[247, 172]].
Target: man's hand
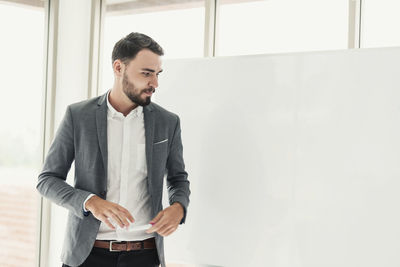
[[167, 220], [103, 209]]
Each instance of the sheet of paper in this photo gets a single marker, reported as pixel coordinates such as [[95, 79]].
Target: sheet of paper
[[132, 227]]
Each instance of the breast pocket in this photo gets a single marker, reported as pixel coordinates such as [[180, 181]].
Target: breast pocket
[[160, 152], [161, 142], [141, 164]]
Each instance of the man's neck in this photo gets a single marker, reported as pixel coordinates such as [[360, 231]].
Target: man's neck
[[120, 101]]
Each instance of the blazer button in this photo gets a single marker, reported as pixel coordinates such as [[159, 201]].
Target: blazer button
[[102, 193]]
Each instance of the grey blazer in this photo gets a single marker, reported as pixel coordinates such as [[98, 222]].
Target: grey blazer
[[82, 136]]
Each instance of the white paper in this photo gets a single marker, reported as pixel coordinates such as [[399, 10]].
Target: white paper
[[132, 226]]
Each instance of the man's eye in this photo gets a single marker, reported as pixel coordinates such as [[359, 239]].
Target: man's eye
[[146, 73]]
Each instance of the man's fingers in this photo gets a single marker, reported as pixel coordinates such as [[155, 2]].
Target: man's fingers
[[170, 231], [167, 230], [127, 214], [130, 217], [164, 229], [124, 221], [157, 218], [116, 219], [157, 226], [156, 222], [109, 210], [123, 217], [105, 220]]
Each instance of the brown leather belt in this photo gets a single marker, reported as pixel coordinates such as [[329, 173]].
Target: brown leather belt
[[114, 245]]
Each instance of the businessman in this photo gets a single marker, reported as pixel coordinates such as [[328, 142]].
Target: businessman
[[123, 146]]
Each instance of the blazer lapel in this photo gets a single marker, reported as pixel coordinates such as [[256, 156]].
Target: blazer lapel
[[149, 124], [101, 125]]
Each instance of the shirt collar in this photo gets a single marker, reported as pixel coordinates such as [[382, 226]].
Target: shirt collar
[[116, 114]]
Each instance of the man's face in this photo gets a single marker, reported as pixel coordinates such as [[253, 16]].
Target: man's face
[[140, 77]]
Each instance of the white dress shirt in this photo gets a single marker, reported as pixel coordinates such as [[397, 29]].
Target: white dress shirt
[[127, 173]]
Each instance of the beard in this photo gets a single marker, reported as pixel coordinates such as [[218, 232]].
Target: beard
[[134, 93]]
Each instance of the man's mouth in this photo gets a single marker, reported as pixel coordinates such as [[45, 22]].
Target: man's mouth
[[149, 92]]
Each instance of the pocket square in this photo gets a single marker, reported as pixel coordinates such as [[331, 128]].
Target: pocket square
[[163, 141]]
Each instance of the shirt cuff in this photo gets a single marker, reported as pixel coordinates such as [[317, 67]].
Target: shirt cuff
[[84, 203]]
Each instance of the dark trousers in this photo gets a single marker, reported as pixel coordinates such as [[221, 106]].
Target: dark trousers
[[100, 257]]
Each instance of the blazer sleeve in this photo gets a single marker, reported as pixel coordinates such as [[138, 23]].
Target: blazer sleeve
[[177, 182], [52, 179]]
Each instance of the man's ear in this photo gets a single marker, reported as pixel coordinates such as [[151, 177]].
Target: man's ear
[[118, 67]]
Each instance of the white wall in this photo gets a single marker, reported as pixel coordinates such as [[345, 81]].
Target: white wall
[[293, 159]]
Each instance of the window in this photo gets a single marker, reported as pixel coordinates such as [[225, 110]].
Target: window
[[178, 26], [274, 26], [21, 50], [380, 23]]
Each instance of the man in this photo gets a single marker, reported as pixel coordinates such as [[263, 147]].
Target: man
[[123, 145]]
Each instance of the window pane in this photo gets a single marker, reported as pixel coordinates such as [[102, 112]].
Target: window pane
[[272, 26], [21, 68], [380, 23], [178, 26]]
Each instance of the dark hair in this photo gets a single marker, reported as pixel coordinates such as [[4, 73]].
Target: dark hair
[[127, 48]]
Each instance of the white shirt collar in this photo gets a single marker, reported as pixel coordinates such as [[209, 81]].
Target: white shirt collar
[[116, 114]]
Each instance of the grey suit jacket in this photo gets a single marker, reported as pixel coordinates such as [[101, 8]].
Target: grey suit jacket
[[82, 136]]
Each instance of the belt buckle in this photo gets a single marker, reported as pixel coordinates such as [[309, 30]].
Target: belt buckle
[[111, 242]]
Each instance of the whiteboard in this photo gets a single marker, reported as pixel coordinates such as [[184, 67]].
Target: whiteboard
[[293, 159]]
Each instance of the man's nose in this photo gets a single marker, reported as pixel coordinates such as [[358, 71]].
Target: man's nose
[[154, 82]]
